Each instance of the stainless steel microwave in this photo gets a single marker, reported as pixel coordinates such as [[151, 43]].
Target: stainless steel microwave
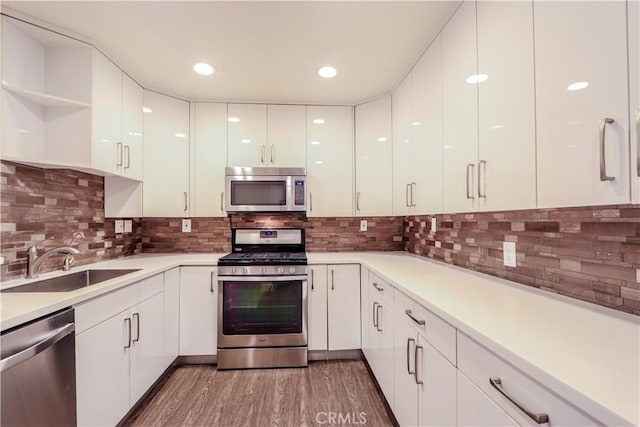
[[265, 189]]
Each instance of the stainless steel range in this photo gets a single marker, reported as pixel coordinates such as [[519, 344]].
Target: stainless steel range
[[262, 300]]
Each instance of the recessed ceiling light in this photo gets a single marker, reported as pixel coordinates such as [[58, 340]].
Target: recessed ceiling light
[[318, 121], [318, 162], [315, 142], [146, 110], [245, 141], [203, 68], [382, 139], [327, 72], [181, 135], [234, 119], [476, 78], [577, 85]]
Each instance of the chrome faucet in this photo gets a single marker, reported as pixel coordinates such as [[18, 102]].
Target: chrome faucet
[[34, 262]]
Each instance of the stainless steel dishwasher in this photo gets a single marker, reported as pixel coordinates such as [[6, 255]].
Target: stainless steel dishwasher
[[38, 373]]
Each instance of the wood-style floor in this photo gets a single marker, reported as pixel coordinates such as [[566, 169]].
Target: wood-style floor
[[325, 393]]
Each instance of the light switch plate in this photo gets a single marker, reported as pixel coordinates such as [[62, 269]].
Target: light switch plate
[[509, 253], [186, 226], [119, 226], [363, 225], [433, 225], [128, 226]]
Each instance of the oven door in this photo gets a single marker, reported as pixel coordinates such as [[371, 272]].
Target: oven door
[[265, 311]]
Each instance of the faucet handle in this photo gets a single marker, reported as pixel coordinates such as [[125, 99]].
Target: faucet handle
[[76, 234]]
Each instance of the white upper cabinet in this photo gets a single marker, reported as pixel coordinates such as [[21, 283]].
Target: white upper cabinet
[[166, 156], [634, 91], [505, 170], [402, 159], [286, 134], [374, 150], [132, 128], [247, 135], [107, 115], [330, 161], [209, 158], [582, 103], [460, 72]]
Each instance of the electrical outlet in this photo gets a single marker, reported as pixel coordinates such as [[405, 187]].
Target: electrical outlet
[[433, 225], [1, 260], [438, 244], [119, 226], [363, 225], [128, 226], [186, 226], [509, 253]]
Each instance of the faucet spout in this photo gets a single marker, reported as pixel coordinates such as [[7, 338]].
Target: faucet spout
[[35, 262]]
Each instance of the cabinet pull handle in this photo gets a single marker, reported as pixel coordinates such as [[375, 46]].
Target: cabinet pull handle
[[127, 152], [469, 166], [358, 201], [409, 340], [222, 201], [378, 308], [332, 280], [603, 166], [136, 316], [418, 321], [46, 342], [375, 311], [127, 322], [638, 141], [538, 418], [310, 202], [261, 153], [378, 288], [406, 195], [119, 154], [272, 153], [413, 185], [312, 279], [482, 169], [185, 201], [417, 359], [213, 278]]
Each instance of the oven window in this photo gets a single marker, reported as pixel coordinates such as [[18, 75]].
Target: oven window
[[261, 308], [259, 193]]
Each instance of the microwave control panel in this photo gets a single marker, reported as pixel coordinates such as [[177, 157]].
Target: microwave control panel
[[299, 192]]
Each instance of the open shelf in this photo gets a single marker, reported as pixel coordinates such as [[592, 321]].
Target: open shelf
[[44, 99]]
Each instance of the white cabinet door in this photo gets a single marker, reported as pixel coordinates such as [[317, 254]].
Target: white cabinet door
[[437, 388], [343, 307], [476, 409], [247, 135], [506, 175], [286, 134], [198, 310], [367, 320], [209, 159], [171, 315], [384, 329], [317, 306], [107, 115], [374, 164], [166, 156], [102, 372], [402, 161], [406, 390], [132, 128], [460, 113], [634, 92], [581, 80], [426, 131], [147, 345], [330, 161]]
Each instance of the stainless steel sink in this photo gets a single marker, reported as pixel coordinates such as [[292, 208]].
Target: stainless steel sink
[[70, 282]]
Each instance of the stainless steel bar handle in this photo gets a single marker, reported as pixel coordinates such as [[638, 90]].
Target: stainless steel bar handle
[[375, 312], [212, 282], [38, 347], [413, 185], [378, 308], [470, 166], [136, 317], [378, 288], [603, 164], [185, 201], [418, 321], [310, 202], [409, 340], [406, 195], [480, 174], [127, 322], [119, 154], [272, 153], [312, 279], [332, 279], [417, 359], [222, 201], [358, 201], [638, 141], [538, 418], [127, 151]]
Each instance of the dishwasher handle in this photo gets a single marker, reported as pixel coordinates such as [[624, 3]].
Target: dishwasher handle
[[38, 347]]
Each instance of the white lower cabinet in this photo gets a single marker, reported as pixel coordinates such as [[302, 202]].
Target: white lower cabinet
[[198, 310], [317, 307], [171, 314], [476, 409], [119, 350]]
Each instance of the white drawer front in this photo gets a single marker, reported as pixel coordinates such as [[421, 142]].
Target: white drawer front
[[150, 286], [99, 309], [439, 333], [479, 365]]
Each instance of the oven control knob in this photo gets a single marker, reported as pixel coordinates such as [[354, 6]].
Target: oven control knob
[[280, 269], [233, 270], [292, 270], [245, 270]]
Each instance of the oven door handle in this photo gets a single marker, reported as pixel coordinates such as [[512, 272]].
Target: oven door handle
[[261, 278]]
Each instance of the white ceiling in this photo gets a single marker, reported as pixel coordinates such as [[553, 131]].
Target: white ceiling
[[263, 51]]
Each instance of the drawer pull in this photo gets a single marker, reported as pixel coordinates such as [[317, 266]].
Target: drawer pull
[[538, 418], [410, 314], [378, 288]]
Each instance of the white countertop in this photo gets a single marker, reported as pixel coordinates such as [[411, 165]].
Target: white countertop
[[586, 353]]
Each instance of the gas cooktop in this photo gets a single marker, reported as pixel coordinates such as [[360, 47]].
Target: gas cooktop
[[266, 246], [264, 258]]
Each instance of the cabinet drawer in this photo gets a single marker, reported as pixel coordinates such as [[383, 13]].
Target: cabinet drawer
[[149, 287], [438, 332], [380, 289], [99, 309], [479, 365]]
